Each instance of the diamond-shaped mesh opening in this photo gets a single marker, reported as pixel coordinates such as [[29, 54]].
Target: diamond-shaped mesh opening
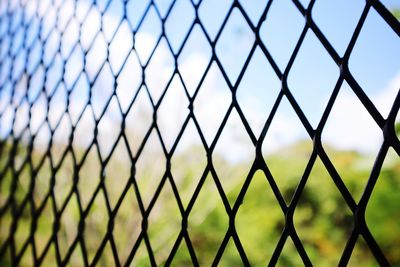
[[199, 132], [281, 40], [234, 44], [312, 78], [188, 177], [208, 209], [257, 91], [372, 79], [231, 169], [283, 128], [259, 207], [355, 151], [331, 217]]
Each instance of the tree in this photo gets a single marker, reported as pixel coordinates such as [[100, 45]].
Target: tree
[[396, 13]]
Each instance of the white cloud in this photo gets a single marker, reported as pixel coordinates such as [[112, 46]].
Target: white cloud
[[384, 100], [350, 126]]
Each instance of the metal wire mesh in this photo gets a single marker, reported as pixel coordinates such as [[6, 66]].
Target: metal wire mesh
[[33, 46]]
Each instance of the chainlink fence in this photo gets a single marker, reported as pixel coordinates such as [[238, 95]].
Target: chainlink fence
[[96, 106]]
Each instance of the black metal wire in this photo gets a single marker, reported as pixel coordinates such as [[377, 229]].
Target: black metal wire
[[15, 16]]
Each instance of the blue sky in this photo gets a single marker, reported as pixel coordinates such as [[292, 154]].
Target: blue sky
[[374, 62]]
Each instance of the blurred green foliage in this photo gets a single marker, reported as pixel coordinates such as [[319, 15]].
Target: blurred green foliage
[[396, 13], [322, 219]]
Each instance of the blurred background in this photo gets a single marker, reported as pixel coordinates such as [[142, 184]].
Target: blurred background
[[120, 118]]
